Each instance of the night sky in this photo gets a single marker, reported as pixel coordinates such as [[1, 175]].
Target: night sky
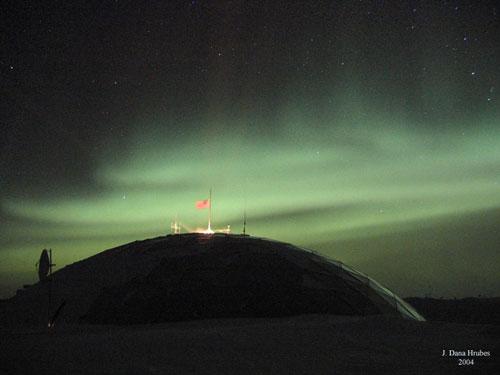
[[366, 130]]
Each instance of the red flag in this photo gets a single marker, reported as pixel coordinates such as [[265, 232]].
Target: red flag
[[203, 204]]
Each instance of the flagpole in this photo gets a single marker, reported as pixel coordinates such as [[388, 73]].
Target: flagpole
[[245, 218], [210, 209]]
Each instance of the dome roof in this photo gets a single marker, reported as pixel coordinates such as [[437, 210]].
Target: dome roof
[[193, 276]]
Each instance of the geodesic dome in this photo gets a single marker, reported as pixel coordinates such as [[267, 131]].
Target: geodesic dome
[[231, 276]]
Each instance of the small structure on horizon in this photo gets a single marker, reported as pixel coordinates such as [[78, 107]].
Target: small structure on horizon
[[175, 226], [226, 230]]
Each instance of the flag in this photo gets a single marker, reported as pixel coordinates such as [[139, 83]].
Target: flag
[[203, 204]]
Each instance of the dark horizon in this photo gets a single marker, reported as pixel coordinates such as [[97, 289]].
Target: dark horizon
[[366, 131]]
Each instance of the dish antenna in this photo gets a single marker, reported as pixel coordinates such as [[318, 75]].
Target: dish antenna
[[45, 265], [44, 272]]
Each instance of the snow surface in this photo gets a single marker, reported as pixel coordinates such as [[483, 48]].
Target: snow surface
[[309, 344]]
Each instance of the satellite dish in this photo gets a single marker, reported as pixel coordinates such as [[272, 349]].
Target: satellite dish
[[44, 265]]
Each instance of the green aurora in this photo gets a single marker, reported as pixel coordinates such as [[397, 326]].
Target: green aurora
[[367, 131], [340, 190]]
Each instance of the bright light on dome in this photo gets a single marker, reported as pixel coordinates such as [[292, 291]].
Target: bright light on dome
[[204, 230]]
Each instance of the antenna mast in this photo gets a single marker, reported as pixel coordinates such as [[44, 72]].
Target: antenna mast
[[50, 286], [245, 217], [175, 227], [210, 210]]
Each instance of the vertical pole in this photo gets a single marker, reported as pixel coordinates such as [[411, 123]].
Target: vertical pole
[[210, 209], [245, 207], [50, 286], [245, 217]]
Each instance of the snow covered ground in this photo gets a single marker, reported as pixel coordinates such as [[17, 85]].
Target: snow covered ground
[[309, 344]]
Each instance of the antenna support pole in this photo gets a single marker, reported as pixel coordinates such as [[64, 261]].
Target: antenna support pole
[[245, 217], [210, 209], [50, 287], [245, 221]]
